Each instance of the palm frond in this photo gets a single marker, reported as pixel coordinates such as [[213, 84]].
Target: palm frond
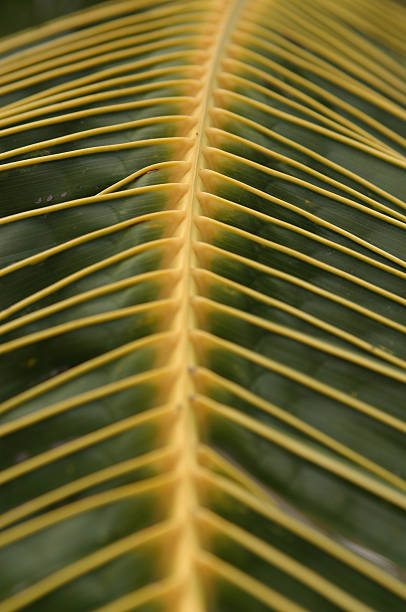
[[202, 274]]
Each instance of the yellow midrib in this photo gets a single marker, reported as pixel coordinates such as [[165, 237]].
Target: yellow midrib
[[185, 431]]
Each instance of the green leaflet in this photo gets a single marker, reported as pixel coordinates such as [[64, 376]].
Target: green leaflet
[[202, 306]]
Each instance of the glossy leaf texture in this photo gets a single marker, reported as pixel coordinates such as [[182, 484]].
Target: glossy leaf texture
[[202, 293]]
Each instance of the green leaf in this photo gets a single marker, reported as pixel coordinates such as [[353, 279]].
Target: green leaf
[[202, 294]]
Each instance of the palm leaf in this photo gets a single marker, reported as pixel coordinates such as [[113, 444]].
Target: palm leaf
[[203, 356]]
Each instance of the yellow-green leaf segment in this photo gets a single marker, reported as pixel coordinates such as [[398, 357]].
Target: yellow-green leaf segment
[[202, 307]]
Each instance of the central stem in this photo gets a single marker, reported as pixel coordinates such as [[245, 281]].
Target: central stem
[[186, 434]]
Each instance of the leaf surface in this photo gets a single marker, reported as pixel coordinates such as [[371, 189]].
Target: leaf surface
[[202, 289]]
